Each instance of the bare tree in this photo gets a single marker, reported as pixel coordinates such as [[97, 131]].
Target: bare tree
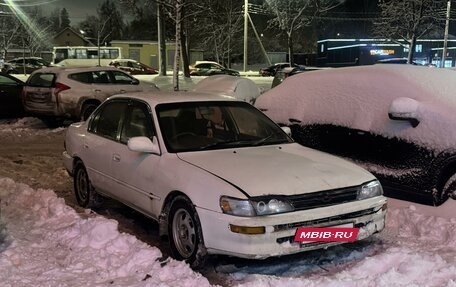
[[26, 28], [39, 37], [10, 28], [408, 20], [218, 26], [292, 15]]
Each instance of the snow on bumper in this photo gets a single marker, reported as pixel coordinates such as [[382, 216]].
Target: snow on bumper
[[278, 238]]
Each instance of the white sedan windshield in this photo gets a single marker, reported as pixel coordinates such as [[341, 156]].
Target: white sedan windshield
[[213, 125]]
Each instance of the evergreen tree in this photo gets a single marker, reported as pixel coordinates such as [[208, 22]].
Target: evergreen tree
[[64, 19], [111, 24]]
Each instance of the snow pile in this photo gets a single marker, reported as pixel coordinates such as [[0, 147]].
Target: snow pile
[[49, 244], [29, 125]]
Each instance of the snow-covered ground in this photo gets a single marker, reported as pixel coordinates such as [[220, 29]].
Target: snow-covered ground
[[47, 243]]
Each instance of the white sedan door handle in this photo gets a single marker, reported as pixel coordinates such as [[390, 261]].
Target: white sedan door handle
[[116, 157]]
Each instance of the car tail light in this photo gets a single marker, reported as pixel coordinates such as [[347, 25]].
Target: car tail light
[[59, 87]]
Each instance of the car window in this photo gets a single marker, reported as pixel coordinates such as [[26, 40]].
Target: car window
[[42, 80], [107, 120], [204, 66], [138, 122], [122, 78], [216, 125], [85, 77], [215, 66], [5, 81], [101, 77]]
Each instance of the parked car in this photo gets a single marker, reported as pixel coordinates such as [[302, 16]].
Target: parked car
[[394, 61], [240, 88], [272, 70], [28, 64], [208, 68], [133, 67], [10, 96], [74, 93], [218, 175], [395, 120], [284, 73], [7, 68]]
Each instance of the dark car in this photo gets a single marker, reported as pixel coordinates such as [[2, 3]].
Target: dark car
[[209, 68], [7, 68], [284, 73], [272, 70], [28, 64], [397, 121], [133, 67], [10, 96]]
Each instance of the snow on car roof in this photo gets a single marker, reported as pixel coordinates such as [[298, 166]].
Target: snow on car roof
[[237, 87], [322, 97]]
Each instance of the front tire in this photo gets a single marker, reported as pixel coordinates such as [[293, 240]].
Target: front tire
[[86, 195], [185, 235]]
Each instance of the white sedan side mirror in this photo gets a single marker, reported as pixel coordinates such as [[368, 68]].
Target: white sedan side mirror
[[287, 130], [143, 144]]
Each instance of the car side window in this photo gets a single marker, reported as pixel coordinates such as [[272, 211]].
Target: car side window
[[138, 122], [41, 80], [101, 77], [107, 121], [122, 78], [7, 81], [85, 77], [204, 66]]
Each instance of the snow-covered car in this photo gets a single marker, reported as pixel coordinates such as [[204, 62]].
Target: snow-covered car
[[74, 93], [225, 85], [217, 174], [397, 121]]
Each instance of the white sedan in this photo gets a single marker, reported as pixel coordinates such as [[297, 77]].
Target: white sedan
[[217, 174]]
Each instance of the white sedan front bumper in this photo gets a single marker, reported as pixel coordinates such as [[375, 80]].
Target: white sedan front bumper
[[368, 215]]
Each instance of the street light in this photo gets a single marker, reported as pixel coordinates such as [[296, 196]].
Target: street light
[[445, 39]]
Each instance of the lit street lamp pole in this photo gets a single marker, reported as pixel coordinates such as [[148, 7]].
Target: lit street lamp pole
[[246, 26], [445, 40]]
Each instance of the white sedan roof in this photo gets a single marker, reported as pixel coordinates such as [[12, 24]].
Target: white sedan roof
[[161, 97]]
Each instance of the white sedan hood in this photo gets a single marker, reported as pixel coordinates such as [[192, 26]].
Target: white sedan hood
[[280, 169]]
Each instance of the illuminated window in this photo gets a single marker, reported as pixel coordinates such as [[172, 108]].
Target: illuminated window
[[418, 48]]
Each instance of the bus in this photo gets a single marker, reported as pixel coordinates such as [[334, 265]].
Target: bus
[[85, 56]]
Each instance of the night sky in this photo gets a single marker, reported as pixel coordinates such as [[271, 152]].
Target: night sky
[[77, 9]]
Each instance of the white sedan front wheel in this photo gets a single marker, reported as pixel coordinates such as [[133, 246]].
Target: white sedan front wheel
[[185, 237]]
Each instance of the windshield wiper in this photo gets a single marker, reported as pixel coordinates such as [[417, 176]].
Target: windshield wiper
[[223, 143]]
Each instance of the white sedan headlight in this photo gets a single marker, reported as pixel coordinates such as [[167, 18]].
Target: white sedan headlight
[[254, 207], [370, 189]]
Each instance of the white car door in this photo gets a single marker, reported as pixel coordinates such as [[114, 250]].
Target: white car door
[[100, 142], [136, 174]]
